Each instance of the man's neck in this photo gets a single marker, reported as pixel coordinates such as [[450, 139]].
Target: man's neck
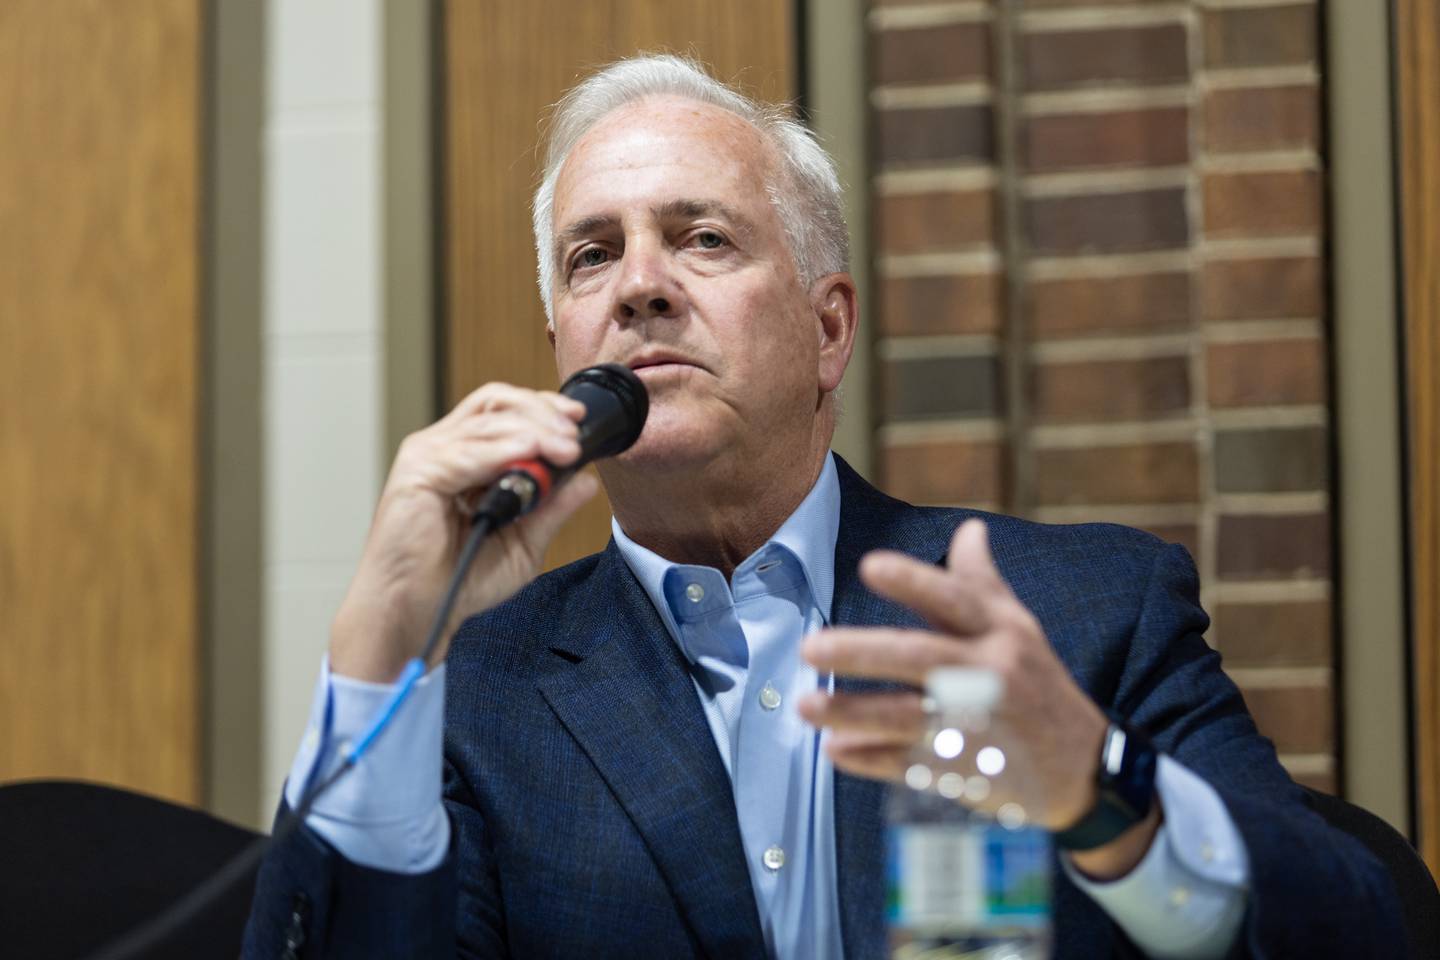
[[714, 517]]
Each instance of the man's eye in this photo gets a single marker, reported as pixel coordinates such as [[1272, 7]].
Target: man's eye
[[709, 239], [591, 257]]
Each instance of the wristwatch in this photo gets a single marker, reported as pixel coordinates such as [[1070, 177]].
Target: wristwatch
[[1124, 789]]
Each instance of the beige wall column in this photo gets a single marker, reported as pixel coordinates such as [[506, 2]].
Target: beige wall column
[[835, 59], [1368, 502], [321, 345]]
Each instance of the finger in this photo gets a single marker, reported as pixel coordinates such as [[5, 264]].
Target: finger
[[557, 437], [884, 653], [489, 396], [898, 714], [496, 396], [955, 603], [970, 554]]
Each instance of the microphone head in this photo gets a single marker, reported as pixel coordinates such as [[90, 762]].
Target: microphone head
[[616, 405]]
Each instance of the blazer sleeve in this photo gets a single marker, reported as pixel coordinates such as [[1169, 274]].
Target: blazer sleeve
[[311, 902], [1314, 891]]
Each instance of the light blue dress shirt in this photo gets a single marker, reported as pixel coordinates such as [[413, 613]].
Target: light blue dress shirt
[[1186, 898]]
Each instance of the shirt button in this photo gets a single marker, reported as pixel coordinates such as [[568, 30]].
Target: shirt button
[[695, 592], [774, 858], [1207, 852], [1179, 896], [769, 696]]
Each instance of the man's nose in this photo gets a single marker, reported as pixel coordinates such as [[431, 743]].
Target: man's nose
[[647, 286]]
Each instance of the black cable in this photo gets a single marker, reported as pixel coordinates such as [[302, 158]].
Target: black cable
[[154, 932]]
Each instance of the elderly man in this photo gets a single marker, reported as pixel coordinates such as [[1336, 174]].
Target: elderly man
[[678, 747]]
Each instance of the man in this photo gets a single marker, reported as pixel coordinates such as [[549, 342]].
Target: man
[[637, 748]]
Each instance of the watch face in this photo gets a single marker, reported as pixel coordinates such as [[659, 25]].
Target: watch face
[[1133, 783]]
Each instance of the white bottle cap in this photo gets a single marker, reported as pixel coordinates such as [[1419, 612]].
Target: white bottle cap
[[964, 688]]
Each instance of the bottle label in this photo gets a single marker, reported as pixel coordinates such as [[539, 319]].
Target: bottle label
[[943, 878]]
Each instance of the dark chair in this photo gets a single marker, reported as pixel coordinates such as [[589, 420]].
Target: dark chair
[[1419, 898], [82, 864]]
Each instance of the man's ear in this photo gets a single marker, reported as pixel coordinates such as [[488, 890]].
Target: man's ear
[[837, 314], [550, 333]]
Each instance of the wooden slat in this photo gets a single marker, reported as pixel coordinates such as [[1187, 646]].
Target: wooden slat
[[504, 64], [98, 299], [1418, 52]]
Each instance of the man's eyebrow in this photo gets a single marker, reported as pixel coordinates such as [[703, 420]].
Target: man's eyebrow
[[584, 227], [691, 209], [669, 210]]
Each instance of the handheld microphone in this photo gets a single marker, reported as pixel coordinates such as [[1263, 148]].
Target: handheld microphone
[[616, 405]]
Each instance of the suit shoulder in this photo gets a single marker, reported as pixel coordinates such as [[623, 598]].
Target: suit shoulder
[[1027, 548]]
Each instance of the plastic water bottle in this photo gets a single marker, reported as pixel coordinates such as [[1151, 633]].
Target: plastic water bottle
[[968, 873]]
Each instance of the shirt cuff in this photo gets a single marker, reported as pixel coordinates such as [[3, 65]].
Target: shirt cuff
[[386, 812], [1186, 898]]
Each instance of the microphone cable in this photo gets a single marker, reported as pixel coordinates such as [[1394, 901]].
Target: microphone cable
[[156, 931]]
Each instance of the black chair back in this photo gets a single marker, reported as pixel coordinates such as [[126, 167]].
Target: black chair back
[[81, 864], [1419, 899]]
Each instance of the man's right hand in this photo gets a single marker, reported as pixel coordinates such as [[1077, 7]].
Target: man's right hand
[[422, 520]]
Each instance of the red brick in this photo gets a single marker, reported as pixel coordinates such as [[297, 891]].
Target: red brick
[[1284, 547], [1158, 136], [913, 223], [1071, 58], [1270, 288], [934, 134], [1107, 222], [1267, 373], [1262, 118], [1153, 473], [1108, 390], [1260, 204], [963, 303], [1298, 719], [944, 472], [1261, 36], [1282, 634], [1097, 305], [939, 54]]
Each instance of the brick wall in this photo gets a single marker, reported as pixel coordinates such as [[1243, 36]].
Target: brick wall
[[1099, 237]]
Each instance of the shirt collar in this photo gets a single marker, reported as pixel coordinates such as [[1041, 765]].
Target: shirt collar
[[809, 533]]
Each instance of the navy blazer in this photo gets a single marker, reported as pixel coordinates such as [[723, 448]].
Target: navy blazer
[[592, 815]]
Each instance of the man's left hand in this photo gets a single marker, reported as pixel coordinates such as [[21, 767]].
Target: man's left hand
[[978, 622]]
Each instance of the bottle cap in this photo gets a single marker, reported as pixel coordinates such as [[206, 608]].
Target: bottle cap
[[964, 688]]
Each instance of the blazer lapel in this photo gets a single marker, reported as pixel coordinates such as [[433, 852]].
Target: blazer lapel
[[622, 688], [868, 519]]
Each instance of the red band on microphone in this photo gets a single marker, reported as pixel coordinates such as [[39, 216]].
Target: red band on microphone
[[537, 470]]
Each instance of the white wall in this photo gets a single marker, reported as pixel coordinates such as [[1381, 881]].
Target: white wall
[[322, 418]]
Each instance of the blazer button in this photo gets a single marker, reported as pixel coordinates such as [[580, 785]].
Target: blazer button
[[295, 932]]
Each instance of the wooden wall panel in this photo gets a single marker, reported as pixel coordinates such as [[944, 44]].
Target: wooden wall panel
[[1418, 58], [505, 63], [98, 353]]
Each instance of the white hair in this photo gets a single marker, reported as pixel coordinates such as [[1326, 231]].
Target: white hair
[[808, 198]]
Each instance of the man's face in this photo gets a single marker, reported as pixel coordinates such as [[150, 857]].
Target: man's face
[[670, 258]]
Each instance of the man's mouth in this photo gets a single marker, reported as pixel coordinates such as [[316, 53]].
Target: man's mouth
[[659, 361]]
